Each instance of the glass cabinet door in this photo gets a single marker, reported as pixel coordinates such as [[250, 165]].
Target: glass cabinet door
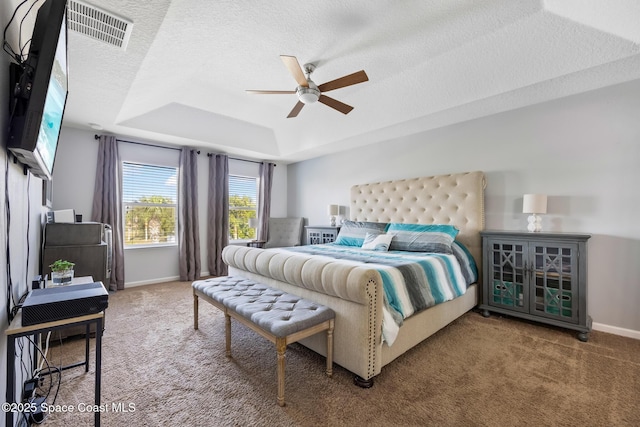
[[314, 237], [507, 287], [554, 281], [329, 236]]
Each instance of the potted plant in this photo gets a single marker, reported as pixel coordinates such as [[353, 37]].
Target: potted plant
[[62, 272]]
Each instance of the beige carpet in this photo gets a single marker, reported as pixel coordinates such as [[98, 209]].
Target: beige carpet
[[476, 372]]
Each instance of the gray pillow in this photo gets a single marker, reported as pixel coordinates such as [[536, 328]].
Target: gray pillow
[[352, 233], [436, 238]]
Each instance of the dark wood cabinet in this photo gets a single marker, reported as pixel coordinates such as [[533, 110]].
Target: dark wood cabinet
[[537, 276]]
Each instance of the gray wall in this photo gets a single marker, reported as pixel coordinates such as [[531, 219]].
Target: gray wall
[[583, 151], [73, 183]]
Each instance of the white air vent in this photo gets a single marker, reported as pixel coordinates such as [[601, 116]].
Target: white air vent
[[98, 23]]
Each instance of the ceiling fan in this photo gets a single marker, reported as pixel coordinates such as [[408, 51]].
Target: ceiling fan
[[308, 92]]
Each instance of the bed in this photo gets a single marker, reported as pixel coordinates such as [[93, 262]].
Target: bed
[[356, 291]]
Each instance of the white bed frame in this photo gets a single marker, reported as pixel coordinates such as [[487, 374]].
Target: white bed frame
[[456, 199], [356, 294]]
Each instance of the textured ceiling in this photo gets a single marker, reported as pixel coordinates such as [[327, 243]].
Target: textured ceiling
[[183, 76]]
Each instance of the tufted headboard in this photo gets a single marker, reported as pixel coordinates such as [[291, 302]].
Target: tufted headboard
[[456, 199]]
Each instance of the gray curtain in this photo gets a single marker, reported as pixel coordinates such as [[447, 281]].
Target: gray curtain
[[107, 204], [217, 213], [264, 198], [188, 227]]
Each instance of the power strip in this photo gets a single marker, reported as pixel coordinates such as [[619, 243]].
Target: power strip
[[38, 415]]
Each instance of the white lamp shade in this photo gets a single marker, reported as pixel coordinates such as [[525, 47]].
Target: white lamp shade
[[253, 222], [534, 203], [333, 209]]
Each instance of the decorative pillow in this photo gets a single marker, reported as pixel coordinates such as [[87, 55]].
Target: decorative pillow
[[352, 233], [377, 242], [436, 238]]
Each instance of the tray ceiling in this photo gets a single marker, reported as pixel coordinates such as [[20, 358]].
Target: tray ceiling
[[183, 76]]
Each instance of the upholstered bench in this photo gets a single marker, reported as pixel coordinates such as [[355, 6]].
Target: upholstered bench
[[280, 317]]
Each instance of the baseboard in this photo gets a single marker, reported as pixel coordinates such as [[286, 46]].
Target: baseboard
[[158, 280], [616, 330], [151, 281]]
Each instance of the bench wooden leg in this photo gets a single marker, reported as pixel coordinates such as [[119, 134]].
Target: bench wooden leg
[[330, 349], [195, 311], [281, 347], [280, 342], [227, 332]]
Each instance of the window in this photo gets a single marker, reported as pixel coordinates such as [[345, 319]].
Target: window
[[243, 203], [149, 195]]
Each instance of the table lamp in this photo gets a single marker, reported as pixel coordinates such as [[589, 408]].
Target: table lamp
[[333, 211], [534, 204]]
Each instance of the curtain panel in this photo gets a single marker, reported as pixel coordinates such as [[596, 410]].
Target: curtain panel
[[107, 204], [188, 224], [217, 213], [265, 173]]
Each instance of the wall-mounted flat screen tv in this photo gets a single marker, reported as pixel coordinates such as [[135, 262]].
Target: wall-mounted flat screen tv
[[40, 87]]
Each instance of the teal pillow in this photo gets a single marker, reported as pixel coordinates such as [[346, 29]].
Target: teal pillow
[[436, 238], [352, 233]]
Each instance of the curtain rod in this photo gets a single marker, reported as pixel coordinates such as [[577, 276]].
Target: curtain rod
[[175, 148], [145, 143], [242, 160]]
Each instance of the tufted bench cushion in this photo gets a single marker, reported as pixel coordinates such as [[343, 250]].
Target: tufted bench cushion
[[273, 310], [278, 316]]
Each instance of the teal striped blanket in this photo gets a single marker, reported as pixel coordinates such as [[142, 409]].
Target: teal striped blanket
[[413, 281]]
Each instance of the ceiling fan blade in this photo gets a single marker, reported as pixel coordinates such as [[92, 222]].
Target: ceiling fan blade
[[270, 92], [351, 79], [335, 104], [295, 110], [294, 68]]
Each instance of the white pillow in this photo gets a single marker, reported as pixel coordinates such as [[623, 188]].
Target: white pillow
[[377, 242]]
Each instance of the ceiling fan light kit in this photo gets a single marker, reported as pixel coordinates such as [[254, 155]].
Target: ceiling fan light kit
[[308, 95], [308, 92]]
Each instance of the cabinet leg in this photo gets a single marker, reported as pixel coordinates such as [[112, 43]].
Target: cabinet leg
[[583, 336], [485, 313]]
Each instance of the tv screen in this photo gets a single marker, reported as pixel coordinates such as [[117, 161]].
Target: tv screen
[[40, 87]]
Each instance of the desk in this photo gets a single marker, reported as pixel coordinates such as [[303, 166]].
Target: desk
[[16, 330]]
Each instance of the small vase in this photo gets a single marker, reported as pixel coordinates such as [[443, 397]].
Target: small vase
[[61, 278]]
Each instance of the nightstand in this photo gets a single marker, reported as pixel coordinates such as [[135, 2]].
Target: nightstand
[[537, 276], [256, 243], [319, 234]]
